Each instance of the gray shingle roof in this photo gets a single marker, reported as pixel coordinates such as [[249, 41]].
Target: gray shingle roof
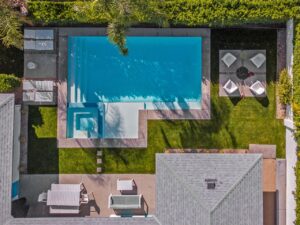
[[6, 148], [183, 197], [84, 221]]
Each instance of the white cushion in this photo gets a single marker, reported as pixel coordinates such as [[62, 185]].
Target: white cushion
[[28, 85], [230, 87], [44, 96], [228, 59], [258, 60], [258, 88], [28, 96]]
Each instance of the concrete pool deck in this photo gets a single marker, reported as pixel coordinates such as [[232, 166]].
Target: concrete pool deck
[[143, 115]]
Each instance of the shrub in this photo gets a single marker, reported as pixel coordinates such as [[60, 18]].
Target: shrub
[[186, 12], [284, 87], [296, 111], [8, 82]]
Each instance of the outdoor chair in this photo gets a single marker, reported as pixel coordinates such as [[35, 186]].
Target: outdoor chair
[[258, 88], [85, 198], [228, 59], [230, 87], [42, 197], [258, 60]]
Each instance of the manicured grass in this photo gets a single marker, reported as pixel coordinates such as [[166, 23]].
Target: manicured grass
[[235, 123], [43, 155]]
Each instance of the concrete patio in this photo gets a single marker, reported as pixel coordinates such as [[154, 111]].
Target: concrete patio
[[101, 187]]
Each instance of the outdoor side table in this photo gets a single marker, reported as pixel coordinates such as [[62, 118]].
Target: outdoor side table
[[125, 185]]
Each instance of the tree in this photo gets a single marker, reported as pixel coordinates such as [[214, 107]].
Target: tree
[[122, 14], [10, 26]]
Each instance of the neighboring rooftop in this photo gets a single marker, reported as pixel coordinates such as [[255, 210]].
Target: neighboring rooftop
[[183, 192]]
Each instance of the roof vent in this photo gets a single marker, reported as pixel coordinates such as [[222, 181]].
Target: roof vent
[[211, 183]]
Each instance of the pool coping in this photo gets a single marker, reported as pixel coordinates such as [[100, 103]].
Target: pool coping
[[144, 115]]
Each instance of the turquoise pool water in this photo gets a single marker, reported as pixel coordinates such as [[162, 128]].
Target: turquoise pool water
[[157, 69], [166, 69]]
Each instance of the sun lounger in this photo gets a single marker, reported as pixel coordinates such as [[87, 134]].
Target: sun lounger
[[38, 85], [44, 96], [125, 201], [28, 96], [45, 85]]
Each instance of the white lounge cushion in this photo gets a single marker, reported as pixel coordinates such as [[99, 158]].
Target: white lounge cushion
[[28, 96], [258, 88], [29, 34], [230, 87], [228, 59], [44, 34], [45, 85], [258, 60], [29, 44], [44, 45], [44, 96], [28, 85]]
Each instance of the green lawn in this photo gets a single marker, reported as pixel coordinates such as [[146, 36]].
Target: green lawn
[[235, 123], [43, 155]]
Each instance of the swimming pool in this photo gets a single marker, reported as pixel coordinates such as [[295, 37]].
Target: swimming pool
[[156, 70]]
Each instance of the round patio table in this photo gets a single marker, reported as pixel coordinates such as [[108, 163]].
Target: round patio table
[[242, 72]]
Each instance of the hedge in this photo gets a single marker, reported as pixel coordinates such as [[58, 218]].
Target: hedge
[[187, 12], [284, 88], [47, 12], [296, 109], [8, 82]]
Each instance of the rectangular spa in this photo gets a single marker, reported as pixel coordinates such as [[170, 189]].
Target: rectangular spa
[[158, 73]]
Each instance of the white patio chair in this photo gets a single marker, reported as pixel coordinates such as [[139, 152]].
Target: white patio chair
[[258, 60], [85, 198], [230, 87], [258, 88], [228, 59], [42, 197]]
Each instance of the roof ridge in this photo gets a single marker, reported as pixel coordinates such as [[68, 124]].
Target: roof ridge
[[182, 183], [238, 182]]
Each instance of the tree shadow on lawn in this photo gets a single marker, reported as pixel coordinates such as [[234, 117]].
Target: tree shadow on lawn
[[42, 152], [199, 134]]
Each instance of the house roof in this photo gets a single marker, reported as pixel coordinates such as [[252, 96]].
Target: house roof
[[180, 178], [84, 221], [181, 181], [6, 143]]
